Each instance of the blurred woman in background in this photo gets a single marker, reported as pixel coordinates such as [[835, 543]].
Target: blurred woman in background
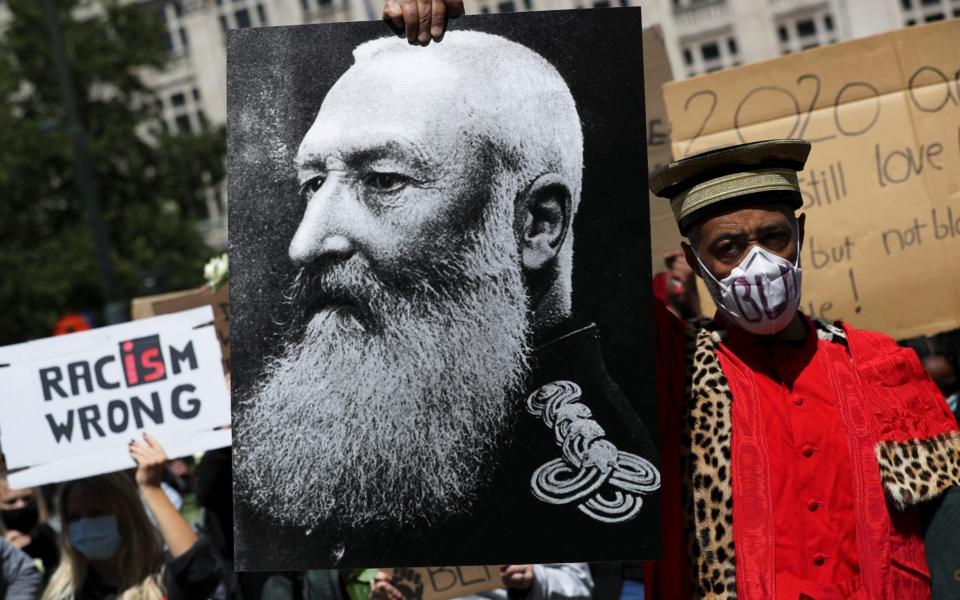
[[110, 548], [23, 523]]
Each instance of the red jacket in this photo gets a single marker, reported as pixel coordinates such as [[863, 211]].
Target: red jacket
[[904, 449]]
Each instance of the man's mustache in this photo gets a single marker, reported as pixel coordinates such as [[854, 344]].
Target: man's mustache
[[352, 285]]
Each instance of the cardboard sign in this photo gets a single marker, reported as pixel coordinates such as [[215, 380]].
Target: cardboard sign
[[882, 186], [163, 304], [664, 235], [443, 583], [71, 404]]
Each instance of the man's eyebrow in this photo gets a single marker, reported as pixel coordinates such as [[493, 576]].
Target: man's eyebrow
[[727, 235], [363, 154], [772, 228]]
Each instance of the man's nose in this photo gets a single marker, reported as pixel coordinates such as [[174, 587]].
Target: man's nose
[[327, 227]]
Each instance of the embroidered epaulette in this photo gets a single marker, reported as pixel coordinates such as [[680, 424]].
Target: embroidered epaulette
[[604, 483]]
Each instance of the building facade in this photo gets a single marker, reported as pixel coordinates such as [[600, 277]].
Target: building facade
[[701, 36]]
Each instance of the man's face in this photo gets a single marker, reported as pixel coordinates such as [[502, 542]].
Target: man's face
[[383, 175], [723, 240], [390, 402]]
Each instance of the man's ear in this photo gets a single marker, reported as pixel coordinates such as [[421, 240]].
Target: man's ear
[[547, 208]]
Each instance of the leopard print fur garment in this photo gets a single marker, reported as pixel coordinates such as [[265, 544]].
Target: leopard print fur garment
[[919, 470], [705, 464]]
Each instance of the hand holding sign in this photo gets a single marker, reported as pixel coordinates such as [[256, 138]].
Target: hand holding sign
[[382, 589], [151, 461], [517, 577]]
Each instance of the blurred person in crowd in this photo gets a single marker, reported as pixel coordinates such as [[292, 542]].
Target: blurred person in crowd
[[681, 300], [944, 369], [19, 577], [23, 523], [109, 547], [554, 581]]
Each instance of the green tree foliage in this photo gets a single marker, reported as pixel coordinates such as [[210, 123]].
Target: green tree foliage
[[151, 183]]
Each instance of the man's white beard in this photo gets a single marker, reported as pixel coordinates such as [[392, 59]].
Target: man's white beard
[[393, 412]]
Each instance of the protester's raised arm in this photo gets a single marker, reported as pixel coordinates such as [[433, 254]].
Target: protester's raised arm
[[422, 20], [151, 460]]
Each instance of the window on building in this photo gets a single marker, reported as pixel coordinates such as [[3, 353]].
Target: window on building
[[801, 32], [528, 4], [709, 55], [806, 28], [183, 124], [184, 39], [223, 24], [601, 4], [710, 51], [178, 100], [928, 11], [507, 6], [196, 95], [242, 18], [262, 13]]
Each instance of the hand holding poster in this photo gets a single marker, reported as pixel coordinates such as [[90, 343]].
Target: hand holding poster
[[882, 185], [72, 404]]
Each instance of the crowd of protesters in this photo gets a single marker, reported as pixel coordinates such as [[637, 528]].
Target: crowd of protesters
[[125, 534]]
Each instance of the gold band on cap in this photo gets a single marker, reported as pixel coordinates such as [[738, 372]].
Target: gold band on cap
[[731, 186]]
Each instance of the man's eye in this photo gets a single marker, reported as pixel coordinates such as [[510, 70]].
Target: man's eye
[[385, 182], [310, 187], [776, 240], [728, 250]]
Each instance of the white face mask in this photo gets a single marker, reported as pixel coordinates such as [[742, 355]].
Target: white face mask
[[762, 293]]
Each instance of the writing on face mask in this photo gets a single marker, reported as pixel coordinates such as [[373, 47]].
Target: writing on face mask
[[761, 294], [764, 297]]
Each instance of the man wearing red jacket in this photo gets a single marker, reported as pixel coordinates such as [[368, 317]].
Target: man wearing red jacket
[[800, 459], [802, 452]]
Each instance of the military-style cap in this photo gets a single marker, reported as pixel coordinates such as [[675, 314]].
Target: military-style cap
[[718, 180]]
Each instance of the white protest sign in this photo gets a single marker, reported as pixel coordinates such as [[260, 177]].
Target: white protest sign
[[70, 405]]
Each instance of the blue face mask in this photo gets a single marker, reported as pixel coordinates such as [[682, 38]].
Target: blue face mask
[[96, 538]]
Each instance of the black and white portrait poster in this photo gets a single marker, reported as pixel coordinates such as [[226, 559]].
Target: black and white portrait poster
[[442, 344]]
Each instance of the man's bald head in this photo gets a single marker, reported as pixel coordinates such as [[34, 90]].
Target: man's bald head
[[501, 91], [478, 111]]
